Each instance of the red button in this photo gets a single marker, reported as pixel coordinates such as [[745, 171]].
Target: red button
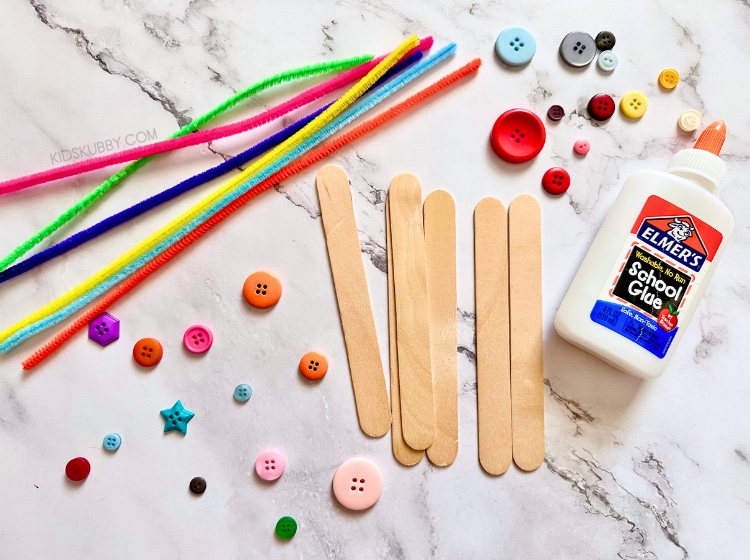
[[556, 180], [518, 136], [601, 107], [77, 469]]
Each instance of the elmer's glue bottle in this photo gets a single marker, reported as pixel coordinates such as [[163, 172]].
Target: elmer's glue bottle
[[650, 263]]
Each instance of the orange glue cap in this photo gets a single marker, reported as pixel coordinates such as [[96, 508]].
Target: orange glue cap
[[712, 139]]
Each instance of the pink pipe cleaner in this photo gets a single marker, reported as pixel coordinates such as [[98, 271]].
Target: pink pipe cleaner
[[200, 137]]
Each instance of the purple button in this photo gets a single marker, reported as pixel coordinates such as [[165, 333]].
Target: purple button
[[105, 329]]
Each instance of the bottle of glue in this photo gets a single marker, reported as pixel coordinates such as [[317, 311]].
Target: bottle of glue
[[649, 265]]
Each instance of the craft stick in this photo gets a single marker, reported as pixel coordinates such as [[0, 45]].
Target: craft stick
[[440, 251], [353, 297], [402, 452], [492, 326], [526, 349], [412, 322]]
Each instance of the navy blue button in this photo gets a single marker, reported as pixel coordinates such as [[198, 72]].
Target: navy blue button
[[515, 46]]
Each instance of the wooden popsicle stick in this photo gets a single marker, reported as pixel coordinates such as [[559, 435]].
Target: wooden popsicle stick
[[526, 344], [440, 251], [493, 336], [345, 255], [402, 452], [412, 322]]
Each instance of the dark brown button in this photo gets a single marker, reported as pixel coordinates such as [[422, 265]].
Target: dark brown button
[[605, 40], [555, 113], [198, 485], [601, 107]]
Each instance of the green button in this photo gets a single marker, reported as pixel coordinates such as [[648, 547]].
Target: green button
[[286, 528]]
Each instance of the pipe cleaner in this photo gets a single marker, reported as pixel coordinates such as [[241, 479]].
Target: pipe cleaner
[[279, 151], [323, 151], [78, 239]]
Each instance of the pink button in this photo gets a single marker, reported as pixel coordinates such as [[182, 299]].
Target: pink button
[[357, 484], [581, 147], [198, 339], [270, 465]]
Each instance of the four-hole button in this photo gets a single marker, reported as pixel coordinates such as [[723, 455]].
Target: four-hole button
[[313, 365], [270, 465], [357, 483], [147, 352], [262, 289]]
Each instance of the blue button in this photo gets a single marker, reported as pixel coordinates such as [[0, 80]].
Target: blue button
[[515, 46], [112, 441], [607, 61], [243, 392]]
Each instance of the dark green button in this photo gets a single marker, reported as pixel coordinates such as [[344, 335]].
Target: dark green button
[[286, 528], [605, 40]]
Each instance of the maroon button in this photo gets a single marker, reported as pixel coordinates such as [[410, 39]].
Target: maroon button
[[601, 107], [555, 113], [518, 136], [556, 180], [77, 469]]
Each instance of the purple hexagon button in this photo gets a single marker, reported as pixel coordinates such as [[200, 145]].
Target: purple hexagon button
[[104, 329]]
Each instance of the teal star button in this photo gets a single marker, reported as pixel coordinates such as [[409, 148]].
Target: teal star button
[[176, 418]]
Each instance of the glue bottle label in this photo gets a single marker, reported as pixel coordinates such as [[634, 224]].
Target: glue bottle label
[[660, 266]]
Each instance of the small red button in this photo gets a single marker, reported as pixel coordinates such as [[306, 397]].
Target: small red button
[[556, 180], [518, 136], [77, 469], [601, 107]]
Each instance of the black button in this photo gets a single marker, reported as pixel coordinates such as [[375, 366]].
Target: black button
[[555, 113], [605, 41], [198, 485]]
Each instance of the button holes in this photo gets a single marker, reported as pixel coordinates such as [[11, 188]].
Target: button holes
[[263, 292], [309, 367], [361, 489], [273, 468], [267, 461], [521, 44], [268, 468], [174, 423], [143, 354], [265, 286], [106, 330], [354, 480], [518, 140], [515, 48], [518, 131], [273, 461], [635, 99], [258, 285], [523, 136], [317, 363], [578, 44], [583, 48], [517, 39], [362, 480], [104, 324], [512, 135], [354, 487], [315, 369], [171, 415], [512, 43], [257, 291]]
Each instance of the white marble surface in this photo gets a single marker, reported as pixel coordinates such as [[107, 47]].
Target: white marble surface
[[634, 470]]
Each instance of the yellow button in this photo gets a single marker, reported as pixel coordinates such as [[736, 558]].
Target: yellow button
[[669, 78], [633, 104]]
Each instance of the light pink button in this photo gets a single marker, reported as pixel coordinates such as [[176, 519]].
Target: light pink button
[[270, 465], [198, 339], [581, 147], [357, 483]]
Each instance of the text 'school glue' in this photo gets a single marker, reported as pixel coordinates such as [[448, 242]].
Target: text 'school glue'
[[651, 261]]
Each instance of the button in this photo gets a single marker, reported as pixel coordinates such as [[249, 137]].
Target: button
[[605, 40], [577, 49], [198, 485], [581, 147], [198, 339], [515, 46], [112, 442], [77, 469], [607, 61], [601, 107], [270, 465], [243, 392], [177, 418], [518, 135], [105, 329], [147, 352], [556, 180], [286, 528], [669, 78], [633, 104], [555, 113], [262, 289], [690, 120], [313, 366], [357, 483]]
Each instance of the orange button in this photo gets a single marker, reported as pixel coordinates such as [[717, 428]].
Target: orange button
[[262, 289], [313, 365], [147, 352]]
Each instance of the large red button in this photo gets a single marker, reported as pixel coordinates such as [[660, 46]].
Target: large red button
[[556, 180], [518, 136], [601, 107], [77, 469]]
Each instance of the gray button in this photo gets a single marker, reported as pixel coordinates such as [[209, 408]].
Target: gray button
[[578, 49]]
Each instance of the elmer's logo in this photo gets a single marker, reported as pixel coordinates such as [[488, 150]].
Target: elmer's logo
[[677, 237]]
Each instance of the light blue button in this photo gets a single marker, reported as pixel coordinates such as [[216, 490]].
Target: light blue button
[[112, 441], [243, 392], [607, 61], [515, 46]]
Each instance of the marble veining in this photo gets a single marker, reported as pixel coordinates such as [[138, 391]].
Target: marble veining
[[634, 470]]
